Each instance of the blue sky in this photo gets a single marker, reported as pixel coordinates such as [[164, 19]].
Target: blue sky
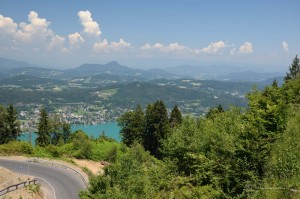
[[152, 33]]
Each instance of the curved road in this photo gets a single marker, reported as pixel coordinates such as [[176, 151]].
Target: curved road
[[66, 184]]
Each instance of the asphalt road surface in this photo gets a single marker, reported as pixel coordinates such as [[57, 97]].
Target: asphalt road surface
[[66, 185]]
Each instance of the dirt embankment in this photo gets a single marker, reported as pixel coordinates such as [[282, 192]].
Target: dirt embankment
[[8, 178]]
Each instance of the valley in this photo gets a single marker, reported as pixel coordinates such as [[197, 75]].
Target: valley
[[95, 93]]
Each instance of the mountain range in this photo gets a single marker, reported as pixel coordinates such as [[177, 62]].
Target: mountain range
[[112, 70]]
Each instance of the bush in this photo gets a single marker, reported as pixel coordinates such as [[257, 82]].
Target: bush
[[53, 150], [84, 150], [41, 152], [112, 154], [16, 148]]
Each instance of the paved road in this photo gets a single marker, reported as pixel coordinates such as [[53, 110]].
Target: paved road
[[66, 184]]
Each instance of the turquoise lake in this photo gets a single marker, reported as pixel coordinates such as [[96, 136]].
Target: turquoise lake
[[111, 130]]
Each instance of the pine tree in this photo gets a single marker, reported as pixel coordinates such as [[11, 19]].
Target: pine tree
[[13, 125], [66, 132], [43, 133], [175, 117], [275, 84], [157, 127], [3, 133], [294, 70], [56, 129]]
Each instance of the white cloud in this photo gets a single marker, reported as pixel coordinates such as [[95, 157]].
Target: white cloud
[[285, 46], [146, 47], [90, 27], [213, 47], [105, 46], [57, 42], [173, 47], [7, 25], [36, 31], [246, 48], [75, 40], [120, 45], [35, 35], [8, 29]]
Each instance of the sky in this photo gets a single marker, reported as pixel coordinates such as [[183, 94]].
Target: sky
[[151, 33]]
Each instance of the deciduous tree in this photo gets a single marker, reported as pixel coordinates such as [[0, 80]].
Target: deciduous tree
[[132, 125]]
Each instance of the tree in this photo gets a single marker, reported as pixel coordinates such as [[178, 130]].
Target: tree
[[294, 70], [213, 112], [43, 134], [13, 125], [82, 144], [3, 133], [56, 129], [132, 126], [9, 124], [283, 168], [175, 117], [157, 127], [66, 132]]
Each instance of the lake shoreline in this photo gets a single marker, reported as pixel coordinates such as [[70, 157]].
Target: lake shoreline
[[111, 129]]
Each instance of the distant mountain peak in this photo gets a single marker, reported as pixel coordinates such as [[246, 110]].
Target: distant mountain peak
[[113, 63]]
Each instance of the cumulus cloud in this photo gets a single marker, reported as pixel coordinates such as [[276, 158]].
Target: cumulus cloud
[[120, 45], [105, 46], [173, 47], [246, 48], [37, 30], [8, 29], [285, 46], [75, 40], [35, 35], [213, 47], [90, 27], [7, 25], [57, 42]]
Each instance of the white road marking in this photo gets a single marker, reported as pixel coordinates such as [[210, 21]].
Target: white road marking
[[48, 184]]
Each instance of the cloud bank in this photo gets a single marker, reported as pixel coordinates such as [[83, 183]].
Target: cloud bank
[[246, 48], [36, 35]]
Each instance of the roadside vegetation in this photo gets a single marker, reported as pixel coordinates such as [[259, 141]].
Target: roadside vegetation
[[234, 153], [54, 140]]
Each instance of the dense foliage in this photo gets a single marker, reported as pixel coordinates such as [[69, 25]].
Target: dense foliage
[[237, 153], [9, 124]]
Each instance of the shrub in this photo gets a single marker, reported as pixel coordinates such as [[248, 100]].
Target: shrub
[[53, 150], [16, 148], [112, 154]]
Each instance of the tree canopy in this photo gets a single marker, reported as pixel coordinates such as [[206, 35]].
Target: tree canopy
[[43, 133], [294, 69], [9, 124], [233, 153]]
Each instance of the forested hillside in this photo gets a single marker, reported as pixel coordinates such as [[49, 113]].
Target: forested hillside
[[237, 153]]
